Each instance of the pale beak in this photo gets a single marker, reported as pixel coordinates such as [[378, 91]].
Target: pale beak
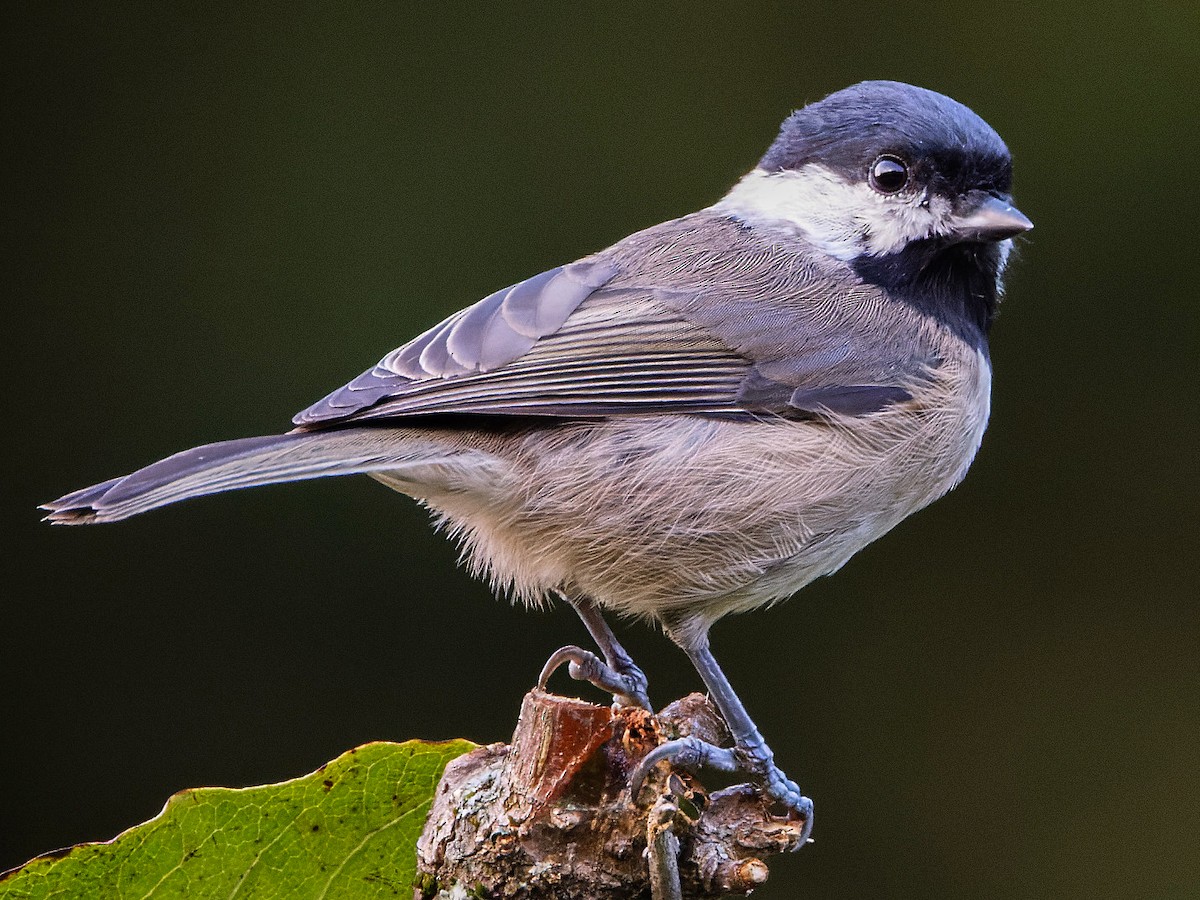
[[985, 217]]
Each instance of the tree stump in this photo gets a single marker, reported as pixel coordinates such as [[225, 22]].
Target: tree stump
[[550, 815]]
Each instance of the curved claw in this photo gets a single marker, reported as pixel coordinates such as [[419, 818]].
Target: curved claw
[[627, 687], [688, 753], [781, 788], [693, 754], [562, 655]]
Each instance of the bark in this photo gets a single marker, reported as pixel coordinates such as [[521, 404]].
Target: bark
[[550, 815]]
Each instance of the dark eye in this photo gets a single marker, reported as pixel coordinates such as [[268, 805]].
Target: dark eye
[[888, 174]]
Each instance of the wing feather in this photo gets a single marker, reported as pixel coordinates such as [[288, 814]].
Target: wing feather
[[694, 316]]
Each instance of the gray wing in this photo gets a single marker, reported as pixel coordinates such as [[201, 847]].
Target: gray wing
[[676, 319]]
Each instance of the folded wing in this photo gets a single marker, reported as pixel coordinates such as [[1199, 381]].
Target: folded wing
[[614, 335]]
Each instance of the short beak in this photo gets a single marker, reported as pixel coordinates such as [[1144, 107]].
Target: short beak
[[988, 218]]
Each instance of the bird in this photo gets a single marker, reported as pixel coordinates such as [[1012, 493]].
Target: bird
[[700, 419]]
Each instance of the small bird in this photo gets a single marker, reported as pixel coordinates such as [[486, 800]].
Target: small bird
[[700, 419]]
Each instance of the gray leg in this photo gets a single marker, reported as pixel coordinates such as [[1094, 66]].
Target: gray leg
[[616, 673], [750, 753]]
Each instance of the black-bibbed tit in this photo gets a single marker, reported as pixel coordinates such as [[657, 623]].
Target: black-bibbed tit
[[700, 419]]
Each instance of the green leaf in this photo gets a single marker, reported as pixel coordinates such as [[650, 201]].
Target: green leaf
[[348, 830]]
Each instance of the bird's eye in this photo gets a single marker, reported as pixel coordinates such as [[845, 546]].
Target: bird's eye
[[888, 174]]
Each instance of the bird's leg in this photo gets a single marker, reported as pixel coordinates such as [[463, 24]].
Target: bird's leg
[[750, 753], [616, 673]]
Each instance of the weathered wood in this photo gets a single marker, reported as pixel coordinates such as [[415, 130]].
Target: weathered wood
[[550, 814]]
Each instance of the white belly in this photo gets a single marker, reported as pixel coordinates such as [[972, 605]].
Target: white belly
[[660, 514]]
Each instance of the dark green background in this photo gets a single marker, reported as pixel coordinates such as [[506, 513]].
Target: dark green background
[[214, 217]]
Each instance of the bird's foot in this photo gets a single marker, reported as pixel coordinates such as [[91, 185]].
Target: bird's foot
[[626, 682], [753, 759]]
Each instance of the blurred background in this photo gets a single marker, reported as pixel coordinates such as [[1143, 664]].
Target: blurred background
[[214, 216]]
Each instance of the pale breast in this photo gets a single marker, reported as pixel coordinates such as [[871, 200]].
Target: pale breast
[[654, 514]]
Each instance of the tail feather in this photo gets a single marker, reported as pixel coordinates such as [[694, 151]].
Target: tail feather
[[244, 463]]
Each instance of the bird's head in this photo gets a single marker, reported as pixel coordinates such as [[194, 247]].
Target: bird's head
[[878, 167]]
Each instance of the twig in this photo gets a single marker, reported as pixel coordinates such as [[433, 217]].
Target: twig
[[663, 849], [550, 816]]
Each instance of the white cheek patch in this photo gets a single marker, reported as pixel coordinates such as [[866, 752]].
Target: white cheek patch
[[845, 219]]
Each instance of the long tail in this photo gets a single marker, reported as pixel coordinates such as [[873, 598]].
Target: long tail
[[248, 462]]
